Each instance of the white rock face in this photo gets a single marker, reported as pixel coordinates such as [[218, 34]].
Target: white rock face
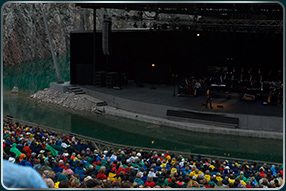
[[68, 100]]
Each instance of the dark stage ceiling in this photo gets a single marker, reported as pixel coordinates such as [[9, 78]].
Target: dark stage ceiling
[[215, 10], [222, 17]]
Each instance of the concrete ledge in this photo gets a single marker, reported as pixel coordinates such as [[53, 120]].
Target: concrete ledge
[[194, 127], [60, 87], [246, 122]]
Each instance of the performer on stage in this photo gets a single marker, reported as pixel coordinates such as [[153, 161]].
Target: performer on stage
[[188, 86], [209, 98]]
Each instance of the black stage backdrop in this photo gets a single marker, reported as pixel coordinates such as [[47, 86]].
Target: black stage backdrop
[[173, 52]]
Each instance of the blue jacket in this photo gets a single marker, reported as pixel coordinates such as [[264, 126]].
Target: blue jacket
[[25, 163], [144, 178], [79, 170], [57, 169], [273, 170]]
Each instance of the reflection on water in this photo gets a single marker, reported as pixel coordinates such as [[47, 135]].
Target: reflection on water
[[35, 76]]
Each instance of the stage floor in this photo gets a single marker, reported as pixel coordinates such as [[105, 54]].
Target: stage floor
[[163, 95]]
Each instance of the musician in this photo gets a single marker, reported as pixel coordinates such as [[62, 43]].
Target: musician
[[188, 86], [251, 81], [198, 84], [241, 80], [249, 71], [209, 98], [273, 95], [232, 81], [259, 72], [261, 82], [250, 78], [221, 79], [233, 70]]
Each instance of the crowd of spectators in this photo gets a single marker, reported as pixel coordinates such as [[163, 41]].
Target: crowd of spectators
[[69, 162]]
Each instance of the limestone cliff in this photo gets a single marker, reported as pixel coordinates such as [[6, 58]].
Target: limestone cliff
[[24, 35]]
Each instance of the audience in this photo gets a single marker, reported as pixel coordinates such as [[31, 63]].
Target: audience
[[38, 158]]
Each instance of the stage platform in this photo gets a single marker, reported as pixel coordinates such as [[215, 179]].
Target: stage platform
[[160, 101]]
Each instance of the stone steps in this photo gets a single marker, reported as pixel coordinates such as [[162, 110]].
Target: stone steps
[[76, 90]]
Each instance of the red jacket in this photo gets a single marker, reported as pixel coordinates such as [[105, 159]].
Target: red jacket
[[262, 173], [151, 184], [65, 167], [101, 176], [180, 183], [120, 169], [28, 151], [161, 159], [62, 165]]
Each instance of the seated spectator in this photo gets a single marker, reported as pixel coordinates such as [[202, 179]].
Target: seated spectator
[[138, 180], [101, 174], [65, 184], [149, 182], [50, 183], [15, 176]]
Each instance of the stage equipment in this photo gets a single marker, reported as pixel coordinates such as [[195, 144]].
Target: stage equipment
[[106, 32]]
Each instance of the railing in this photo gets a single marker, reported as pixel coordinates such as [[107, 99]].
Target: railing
[[101, 145]]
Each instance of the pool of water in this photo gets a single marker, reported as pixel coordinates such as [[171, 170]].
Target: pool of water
[[34, 76]]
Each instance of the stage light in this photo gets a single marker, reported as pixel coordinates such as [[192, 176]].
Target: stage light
[[135, 25], [153, 65], [198, 34]]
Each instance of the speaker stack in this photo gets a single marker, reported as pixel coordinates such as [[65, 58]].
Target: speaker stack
[[106, 32]]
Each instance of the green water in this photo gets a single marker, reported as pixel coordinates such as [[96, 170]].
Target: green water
[[34, 76]]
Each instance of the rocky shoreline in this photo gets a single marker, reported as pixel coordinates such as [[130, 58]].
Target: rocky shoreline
[[67, 100]]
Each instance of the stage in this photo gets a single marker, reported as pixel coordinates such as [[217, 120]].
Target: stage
[[161, 102]]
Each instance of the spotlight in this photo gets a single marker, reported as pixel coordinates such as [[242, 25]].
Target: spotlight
[[198, 34]]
